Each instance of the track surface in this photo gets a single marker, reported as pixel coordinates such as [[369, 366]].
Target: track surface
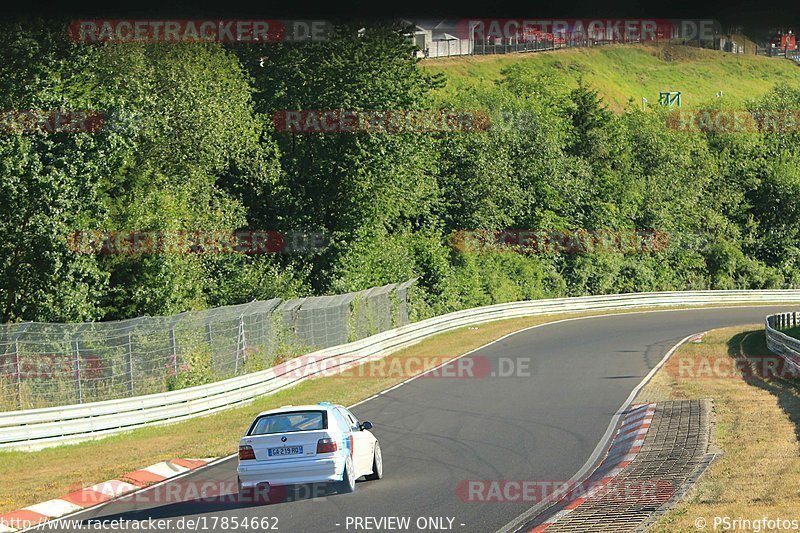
[[435, 433]]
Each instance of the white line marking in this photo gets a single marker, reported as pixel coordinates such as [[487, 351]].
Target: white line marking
[[601, 447]]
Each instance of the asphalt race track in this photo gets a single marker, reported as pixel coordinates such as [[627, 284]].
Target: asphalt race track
[[438, 432]]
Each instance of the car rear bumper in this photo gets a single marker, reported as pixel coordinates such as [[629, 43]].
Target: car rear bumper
[[287, 472]]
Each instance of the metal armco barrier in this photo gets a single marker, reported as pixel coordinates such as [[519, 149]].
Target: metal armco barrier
[[37, 428], [780, 343]]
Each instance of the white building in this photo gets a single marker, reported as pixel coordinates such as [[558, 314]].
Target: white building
[[439, 39]]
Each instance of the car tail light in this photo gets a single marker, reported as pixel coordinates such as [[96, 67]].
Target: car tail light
[[326, 446], [246, 453]]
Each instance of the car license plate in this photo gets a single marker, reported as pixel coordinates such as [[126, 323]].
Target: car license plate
[[286, 450]]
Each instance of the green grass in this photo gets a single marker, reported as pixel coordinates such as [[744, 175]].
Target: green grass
[[757, 427], [792, 332], [623, 72]]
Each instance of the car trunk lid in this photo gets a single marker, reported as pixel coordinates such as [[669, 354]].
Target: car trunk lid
[[282, 446]]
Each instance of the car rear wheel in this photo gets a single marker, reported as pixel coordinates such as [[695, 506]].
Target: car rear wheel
[[348, 482], [377, 465]]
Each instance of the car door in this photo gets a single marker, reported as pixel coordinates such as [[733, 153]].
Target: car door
[[363, 444], [347, 434]]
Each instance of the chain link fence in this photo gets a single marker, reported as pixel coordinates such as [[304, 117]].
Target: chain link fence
[[450, 39], [43, 364], [460, 47]]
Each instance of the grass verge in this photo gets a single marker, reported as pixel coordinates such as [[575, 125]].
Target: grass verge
[[622, 72], [792, 332], [757, 427], [27, 478]]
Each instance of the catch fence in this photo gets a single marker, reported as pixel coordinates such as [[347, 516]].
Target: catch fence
[[48, 364]]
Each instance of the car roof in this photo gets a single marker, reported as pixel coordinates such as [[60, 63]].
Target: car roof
[[323, 406]]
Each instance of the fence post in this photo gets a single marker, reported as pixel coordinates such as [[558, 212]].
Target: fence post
[[129, 364], [209, 336], [240, 344], [18, 373], [76, 362], [17, 365], [241, 340], [173, 349]]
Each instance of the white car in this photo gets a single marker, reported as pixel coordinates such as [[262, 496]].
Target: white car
[[300, 444]]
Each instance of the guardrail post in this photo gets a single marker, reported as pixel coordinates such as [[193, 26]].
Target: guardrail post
[[76, 362]]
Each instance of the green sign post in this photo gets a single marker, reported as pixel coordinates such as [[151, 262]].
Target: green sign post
[[670, 99]]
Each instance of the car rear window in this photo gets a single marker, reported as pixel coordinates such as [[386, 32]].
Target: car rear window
[[288, 422]]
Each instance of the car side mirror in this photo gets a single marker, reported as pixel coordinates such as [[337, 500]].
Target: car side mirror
[[366, 425]]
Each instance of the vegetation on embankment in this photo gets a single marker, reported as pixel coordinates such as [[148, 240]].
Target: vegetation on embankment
[[624, 72], [190, 144]]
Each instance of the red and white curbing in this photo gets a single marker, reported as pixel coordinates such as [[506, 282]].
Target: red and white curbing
[[697, 339], [99, 493], [626, 444]]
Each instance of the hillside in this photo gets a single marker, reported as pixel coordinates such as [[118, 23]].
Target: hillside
[[626, 71]]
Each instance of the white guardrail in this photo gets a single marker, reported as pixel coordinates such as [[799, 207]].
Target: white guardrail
[[38, 428], [780, 343]]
